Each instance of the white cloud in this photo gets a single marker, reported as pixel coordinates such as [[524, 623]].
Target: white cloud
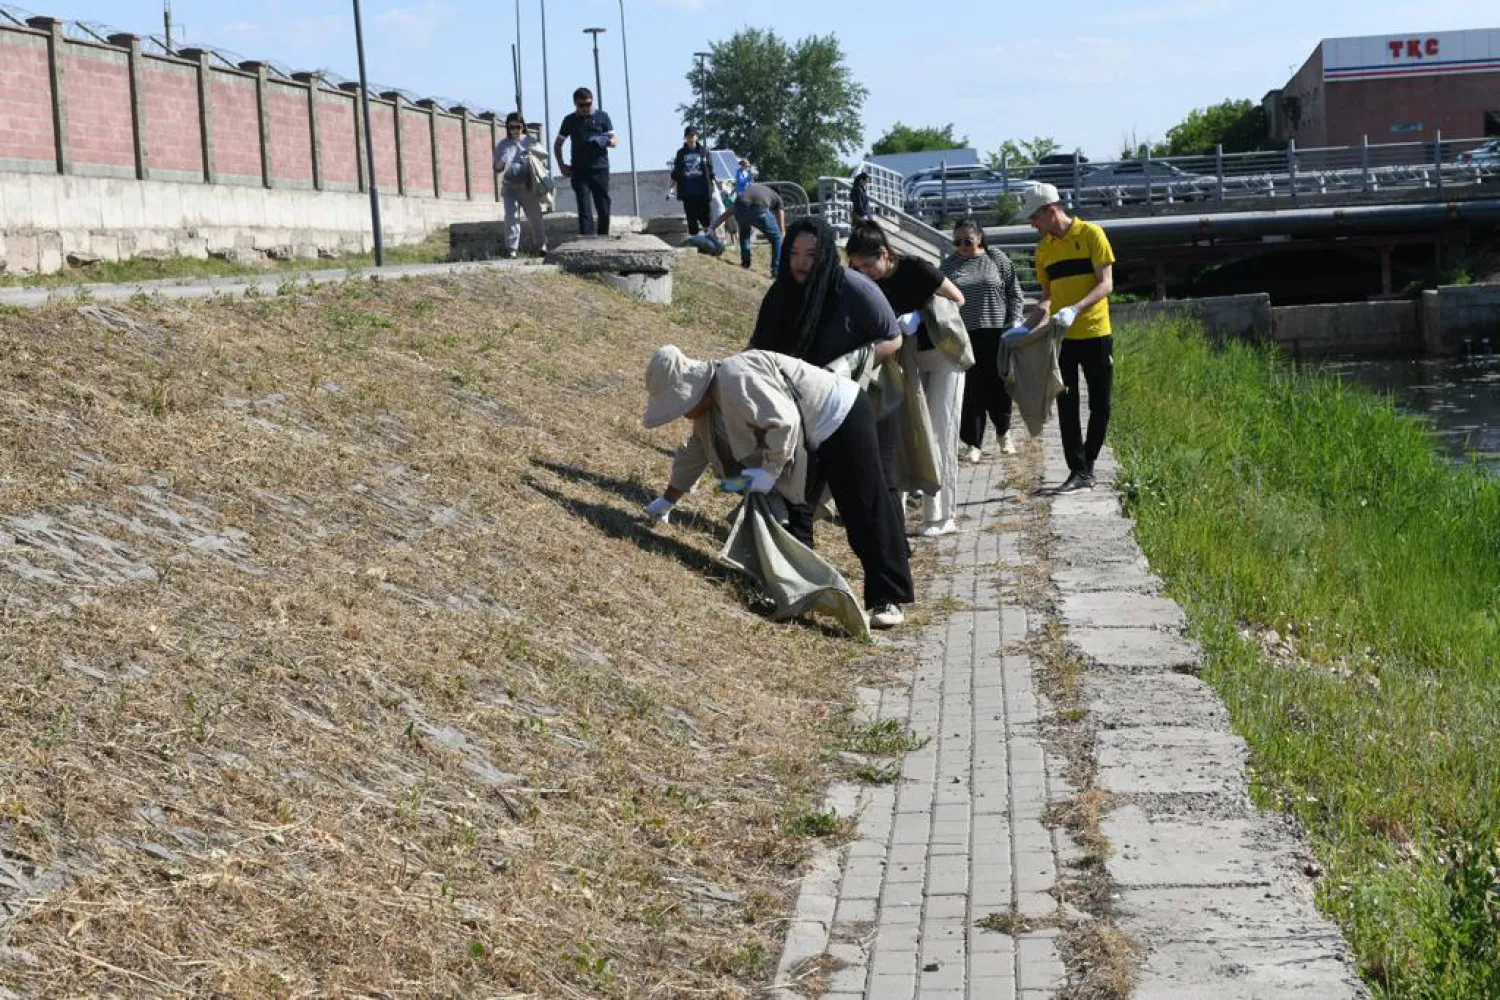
[[414, 26]]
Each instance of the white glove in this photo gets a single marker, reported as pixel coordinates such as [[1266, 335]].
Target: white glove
[[758, 481], [1065, 316], [660, 510], [909, 322], [1019, 330]]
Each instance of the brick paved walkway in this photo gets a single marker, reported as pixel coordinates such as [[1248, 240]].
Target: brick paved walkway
[[1209, 888]]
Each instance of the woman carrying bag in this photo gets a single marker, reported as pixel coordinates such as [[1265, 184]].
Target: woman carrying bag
[[766, 417], [993, 303], [910, 285], [518, 187]]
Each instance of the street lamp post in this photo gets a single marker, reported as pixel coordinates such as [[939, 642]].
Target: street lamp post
[[546, 92], [702, 94], [364, 100], [598, 84], [635, 189]]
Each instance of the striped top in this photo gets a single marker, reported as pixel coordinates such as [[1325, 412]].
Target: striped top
[[992, 292]]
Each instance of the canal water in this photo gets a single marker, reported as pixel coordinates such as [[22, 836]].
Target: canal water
[[1459, 396]]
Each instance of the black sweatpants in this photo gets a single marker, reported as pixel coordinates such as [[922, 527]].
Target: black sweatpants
[[1095, 356], [591, 190], [695, 207], [848, 463], [984, 390]]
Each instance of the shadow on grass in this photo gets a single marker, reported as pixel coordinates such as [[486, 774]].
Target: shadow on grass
[[631, 527], [634, 493]]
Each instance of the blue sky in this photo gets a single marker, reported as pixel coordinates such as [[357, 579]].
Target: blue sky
[[1092, 77]]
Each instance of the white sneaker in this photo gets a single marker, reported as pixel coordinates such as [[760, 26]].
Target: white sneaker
[[886, 616], [973, 456], [937, 529], [1007, 445]]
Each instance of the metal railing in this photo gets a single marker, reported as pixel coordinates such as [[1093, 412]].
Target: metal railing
[[837, 208], [1289, 173]]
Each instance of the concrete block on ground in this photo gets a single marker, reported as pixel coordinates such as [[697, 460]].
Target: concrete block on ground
[[1198, 851], [1170, 759], [1121, 609], [1347, 328], [1135, 575], [1137, 649], [1164, 699]]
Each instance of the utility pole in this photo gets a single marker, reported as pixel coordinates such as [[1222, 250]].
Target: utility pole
[[598, 85], [546, 92], [364, 99], [635, 189], [520, 94], [166, 20]]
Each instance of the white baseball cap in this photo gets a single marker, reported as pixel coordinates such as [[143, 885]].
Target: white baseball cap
[[1038, 198]]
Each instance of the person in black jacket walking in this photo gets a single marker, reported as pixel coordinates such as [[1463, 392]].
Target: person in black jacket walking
[[859, 199], [693, 173]]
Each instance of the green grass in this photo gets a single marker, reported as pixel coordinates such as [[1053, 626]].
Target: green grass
[[432, 251], [1274, 499]]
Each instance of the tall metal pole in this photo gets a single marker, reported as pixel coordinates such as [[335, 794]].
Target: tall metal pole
[[702, 89], [598, 84], [546, 91], [635, 188], [364, 99], [515, 74], [166, 20], [520, 90]]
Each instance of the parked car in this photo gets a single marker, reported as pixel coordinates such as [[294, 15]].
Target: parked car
[[1486, 155], [1057, 170], [1127, 181], [968, 186]]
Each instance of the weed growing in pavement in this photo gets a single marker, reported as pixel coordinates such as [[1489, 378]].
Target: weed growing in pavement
[[887, 736], [1344, 580], [877, 774], [814, 823]]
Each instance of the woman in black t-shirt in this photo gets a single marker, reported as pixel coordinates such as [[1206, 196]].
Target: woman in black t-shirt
[[909, 284]]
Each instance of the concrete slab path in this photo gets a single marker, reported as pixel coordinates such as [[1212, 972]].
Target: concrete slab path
[[1211, 890]]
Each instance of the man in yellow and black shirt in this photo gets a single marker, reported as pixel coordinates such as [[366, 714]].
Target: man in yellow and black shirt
[[1075, 265]]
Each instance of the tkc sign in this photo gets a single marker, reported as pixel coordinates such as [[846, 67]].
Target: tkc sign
[[1377, 57]]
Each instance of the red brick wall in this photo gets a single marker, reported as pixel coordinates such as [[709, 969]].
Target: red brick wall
[[416, 151], [338, 140], [383, 131], [25, 100], [97, 85], [481, 160], [451, 155], [169, 105], [1456, 104], [236, 126], [291, 135]]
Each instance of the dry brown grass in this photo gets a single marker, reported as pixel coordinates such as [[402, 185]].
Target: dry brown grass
[[338, 662]]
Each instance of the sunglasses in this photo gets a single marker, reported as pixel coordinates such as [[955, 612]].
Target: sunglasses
[[968, 242], [513, 128]]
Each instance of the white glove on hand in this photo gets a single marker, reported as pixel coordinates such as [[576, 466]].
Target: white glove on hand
[[909, 322], [1064, 317], [1019, 330], [660, 510], [758, 481]]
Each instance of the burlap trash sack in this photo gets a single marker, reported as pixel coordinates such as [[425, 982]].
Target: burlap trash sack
[[794, 577], [916, 462], [1028, 363], [946, 330]]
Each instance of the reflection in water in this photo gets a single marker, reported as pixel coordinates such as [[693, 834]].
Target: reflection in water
[[1460, 396]]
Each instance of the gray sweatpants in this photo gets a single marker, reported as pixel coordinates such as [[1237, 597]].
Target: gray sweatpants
[[517, 197]]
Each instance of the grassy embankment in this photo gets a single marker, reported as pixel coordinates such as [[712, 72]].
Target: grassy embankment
[[336, 659], [1344, 579]]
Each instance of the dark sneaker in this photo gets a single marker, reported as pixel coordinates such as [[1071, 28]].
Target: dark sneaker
[[1075, 482]]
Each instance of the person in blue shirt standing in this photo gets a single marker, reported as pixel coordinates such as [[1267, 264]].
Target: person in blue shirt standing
[[743, 177], [693, 173], [593, 136]]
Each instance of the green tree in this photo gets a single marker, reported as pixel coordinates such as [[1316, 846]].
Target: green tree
[[793, 109], [1023, 152], [905, 139], [1240, 126]]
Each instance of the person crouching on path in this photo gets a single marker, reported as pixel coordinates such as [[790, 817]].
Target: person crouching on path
[[517, 189], [766, 417], [1075, 264], [909, 284], [993, 303], [693, 173], [818, 311]]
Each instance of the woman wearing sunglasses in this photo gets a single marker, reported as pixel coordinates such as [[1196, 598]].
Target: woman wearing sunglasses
[[992, 304], [517, 187]]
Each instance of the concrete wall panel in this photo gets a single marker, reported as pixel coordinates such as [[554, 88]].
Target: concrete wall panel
[[1348, 328], [451, 157], [338, 141], [416, 151], [481, 161], [169, 106], [96, 84], [383, 132], [236, 128]]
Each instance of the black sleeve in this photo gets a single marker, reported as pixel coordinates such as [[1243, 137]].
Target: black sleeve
[[764, 338], [931, 278], [677, 168]]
